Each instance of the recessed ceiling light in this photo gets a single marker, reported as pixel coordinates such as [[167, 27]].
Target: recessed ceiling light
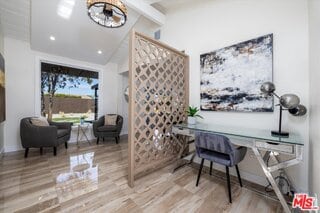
[[52, 38], [99, 52]]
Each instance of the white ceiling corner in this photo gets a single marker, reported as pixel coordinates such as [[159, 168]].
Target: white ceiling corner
[[146, 10], [15, 19], [143, 25]]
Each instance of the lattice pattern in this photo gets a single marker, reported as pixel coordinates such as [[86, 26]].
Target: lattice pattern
[[159, 84]]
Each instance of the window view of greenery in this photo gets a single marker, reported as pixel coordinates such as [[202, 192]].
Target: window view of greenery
[[68, 94]]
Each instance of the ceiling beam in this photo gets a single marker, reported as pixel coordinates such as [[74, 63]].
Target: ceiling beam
[[146, 10]]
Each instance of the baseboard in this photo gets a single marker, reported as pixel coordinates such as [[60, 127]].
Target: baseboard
[[247, 176], [260, 180], [12, 148], [124, 132]]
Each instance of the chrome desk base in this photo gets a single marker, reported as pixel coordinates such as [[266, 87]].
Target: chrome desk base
[[257, 146], [268, 172], [184, 163]]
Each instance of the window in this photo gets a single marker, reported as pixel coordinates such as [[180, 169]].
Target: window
[[68, 94]]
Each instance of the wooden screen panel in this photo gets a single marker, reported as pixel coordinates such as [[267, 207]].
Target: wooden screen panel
[[158, 99]]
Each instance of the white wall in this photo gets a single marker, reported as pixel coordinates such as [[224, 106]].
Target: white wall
[[314, 30], [123, 82], [1, 124], [109, 87], [23, 86], [220, 23]]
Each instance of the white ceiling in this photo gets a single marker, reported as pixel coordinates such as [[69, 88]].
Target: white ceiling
[[15, 19], [77, 36], [165, 5]]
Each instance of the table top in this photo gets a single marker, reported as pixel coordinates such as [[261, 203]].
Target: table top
[[243, 132]]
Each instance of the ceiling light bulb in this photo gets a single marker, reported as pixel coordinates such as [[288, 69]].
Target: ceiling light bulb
[[99, 52], [52, 38]]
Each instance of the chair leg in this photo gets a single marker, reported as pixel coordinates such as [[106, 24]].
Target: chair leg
[[97, 140], [210, 167], [103, 139], [26, 152], [54, 151], [200, 169], [117, 140], [66, 145], [41, 150], [239, 177], [228, 182]]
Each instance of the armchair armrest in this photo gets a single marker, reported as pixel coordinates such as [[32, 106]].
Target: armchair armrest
[[239, 154], [38, 136], [61, 125], [119, 124], [96, 124]]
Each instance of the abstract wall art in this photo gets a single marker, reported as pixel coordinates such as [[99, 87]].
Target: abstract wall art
[[2, 91], [231, 77]]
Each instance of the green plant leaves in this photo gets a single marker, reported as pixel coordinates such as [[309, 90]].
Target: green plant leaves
[[193, 112]]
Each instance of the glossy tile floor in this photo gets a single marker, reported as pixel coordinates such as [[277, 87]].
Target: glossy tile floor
[[94, 179]]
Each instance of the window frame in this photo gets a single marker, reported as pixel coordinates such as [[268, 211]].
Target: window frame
[[67, 63]]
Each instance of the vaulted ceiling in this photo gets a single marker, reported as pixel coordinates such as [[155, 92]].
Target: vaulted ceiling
[[76, 36]]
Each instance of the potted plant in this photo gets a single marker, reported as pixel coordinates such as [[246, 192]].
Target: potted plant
[[193, 114]]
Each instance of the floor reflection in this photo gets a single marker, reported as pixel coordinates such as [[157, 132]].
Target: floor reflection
[[81, 179]]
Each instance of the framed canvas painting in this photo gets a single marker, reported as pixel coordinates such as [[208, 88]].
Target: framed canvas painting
[[231, 77], [2, 91]]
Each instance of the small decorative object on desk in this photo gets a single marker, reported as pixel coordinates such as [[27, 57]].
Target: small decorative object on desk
[[82, 119], [288, 102], [193, 114]]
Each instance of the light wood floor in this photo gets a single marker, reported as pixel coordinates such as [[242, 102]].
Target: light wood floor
[[94, 179]]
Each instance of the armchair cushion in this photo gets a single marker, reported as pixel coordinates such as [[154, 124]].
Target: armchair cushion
[[108, 128], [40, 121], [110, 119]]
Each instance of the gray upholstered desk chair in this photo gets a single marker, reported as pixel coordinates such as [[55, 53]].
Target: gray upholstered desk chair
[[219, 149]]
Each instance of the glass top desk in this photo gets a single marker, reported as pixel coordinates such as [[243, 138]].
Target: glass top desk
[[256, 139]]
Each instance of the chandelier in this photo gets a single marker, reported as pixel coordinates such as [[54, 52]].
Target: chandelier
[[107, 13]]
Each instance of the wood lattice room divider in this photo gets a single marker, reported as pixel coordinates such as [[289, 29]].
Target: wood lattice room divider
[[159, 85]]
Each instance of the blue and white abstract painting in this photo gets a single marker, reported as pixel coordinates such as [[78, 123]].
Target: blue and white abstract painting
[[231, 77]]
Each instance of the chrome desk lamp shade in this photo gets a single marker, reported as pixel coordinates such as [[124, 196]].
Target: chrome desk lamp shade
[[267, 88], [300, 110], [290, 102]]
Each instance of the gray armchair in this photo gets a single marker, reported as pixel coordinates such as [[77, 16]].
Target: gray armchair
[[113, 131], [44, 136]]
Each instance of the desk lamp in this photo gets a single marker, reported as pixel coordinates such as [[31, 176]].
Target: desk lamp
[[288, 102]]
